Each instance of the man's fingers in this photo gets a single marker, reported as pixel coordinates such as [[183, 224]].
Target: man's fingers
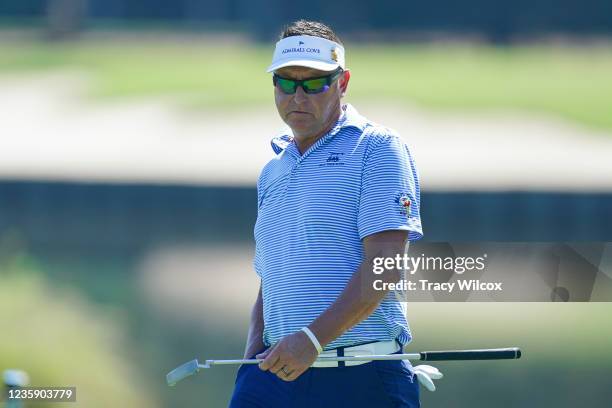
[[263, 354], [278, 364], [293, 375], [284, 372], [269, 360]]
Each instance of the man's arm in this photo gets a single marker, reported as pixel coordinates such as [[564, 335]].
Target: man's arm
[[359, 299], [255, 337], [356, 302]]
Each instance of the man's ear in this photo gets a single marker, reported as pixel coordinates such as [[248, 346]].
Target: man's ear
[[344, 81]]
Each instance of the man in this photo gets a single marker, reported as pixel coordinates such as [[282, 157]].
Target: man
[[341, 191]]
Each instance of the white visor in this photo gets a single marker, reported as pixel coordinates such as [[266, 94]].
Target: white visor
[[307, 51]]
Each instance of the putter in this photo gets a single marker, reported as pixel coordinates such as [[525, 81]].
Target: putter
[[192, 367]]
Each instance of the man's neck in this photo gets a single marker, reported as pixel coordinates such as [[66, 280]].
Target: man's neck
[[304, 142]]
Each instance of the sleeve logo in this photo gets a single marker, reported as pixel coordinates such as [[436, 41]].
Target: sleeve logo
[[403, 202]]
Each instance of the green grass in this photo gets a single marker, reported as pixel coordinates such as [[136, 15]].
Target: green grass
[[564, 81], [572, 83]]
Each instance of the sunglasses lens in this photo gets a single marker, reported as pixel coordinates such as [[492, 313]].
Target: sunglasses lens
[[310, 86], [316, 85], [286, 85]]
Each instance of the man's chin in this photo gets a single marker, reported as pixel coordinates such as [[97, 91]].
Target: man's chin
[[301, 123]]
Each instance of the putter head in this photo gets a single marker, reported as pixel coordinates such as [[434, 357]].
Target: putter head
[[184, 371]]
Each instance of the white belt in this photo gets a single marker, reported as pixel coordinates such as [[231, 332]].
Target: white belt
[[379, 347]]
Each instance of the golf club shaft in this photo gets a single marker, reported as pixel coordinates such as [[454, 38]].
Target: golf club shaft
[[486, 354], [413, 356]]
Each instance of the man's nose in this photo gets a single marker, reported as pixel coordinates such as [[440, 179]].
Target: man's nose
[[300, 95]]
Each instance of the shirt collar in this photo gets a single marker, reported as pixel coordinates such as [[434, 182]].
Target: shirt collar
[[348, 118]]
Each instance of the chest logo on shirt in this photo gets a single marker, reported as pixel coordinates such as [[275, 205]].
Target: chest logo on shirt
[[333, 159], [403, 202]]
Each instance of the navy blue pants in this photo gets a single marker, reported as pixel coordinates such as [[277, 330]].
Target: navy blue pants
[[380, 384]]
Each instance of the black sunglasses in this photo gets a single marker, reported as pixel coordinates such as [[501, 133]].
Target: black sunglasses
[[310, 86]]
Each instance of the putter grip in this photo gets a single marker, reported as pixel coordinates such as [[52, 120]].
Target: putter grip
[[491, 354]]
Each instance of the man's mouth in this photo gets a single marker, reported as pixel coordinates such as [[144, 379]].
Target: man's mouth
[[299, 112]]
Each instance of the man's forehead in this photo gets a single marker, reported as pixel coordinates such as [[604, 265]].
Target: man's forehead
[[298, 72]]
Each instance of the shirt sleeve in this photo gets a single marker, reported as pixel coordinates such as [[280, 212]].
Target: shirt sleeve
[[390, 193]]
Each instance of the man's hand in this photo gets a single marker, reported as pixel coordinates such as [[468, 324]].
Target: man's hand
[[290, 357]]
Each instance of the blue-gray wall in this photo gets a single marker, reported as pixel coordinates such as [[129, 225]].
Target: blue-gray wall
[[134, 217], [497, 20]]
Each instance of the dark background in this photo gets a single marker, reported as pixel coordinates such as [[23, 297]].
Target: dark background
[[496, 21], [134, 217]]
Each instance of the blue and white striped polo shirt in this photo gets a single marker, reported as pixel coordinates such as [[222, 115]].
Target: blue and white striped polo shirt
[[313, 211]]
